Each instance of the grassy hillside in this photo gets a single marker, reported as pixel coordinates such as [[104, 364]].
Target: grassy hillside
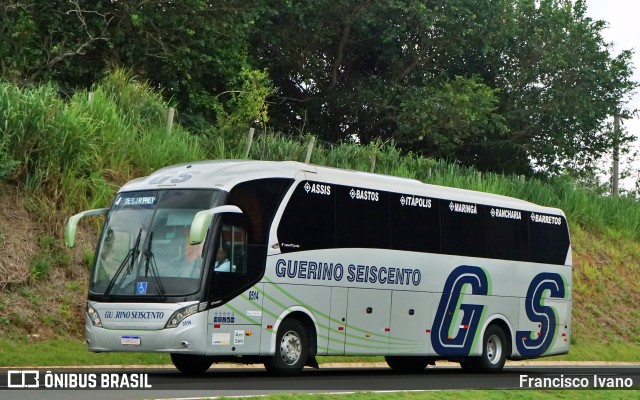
[[60, 156]]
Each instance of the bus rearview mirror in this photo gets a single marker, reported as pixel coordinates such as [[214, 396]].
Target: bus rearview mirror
[[72, 224], [202, 219]]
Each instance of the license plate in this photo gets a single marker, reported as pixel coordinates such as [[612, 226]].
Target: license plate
[[130, 340]]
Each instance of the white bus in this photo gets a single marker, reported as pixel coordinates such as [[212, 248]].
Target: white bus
[[278, 262]]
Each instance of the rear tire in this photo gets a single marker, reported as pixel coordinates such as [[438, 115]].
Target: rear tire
[[292, 350], [494, 350], [191, 364], [407, 363]]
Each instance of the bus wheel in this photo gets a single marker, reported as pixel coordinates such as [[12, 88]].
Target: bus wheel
[[191, 364], [494, 350], [292, 349], [407, 363]]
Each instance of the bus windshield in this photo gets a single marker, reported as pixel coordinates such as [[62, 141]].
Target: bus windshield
[[144, 249]]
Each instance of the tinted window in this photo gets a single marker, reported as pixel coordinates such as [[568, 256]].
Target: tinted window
[[549, 238], [362, 218], [308, 222], [259, 201], [462, 229], [507, 234], [414, 223], [230, 271]]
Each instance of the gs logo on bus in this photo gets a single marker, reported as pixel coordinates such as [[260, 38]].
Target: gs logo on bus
[[460, 345], [451, 303], [537, 312]]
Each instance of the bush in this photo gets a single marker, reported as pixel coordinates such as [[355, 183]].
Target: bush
[[7, 163], [72, 155]]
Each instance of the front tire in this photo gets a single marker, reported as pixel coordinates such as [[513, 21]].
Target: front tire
[[191, 364], [407, 363], [494, 350], [292, 350]]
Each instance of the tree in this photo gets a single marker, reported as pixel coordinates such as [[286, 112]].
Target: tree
[[505, 85], [449, 118], [43, 40], [191, 49], [343, 68], [415, 70], [560, 83]]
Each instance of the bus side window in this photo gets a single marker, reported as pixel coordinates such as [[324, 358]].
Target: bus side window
[[230, 269], [549, 242], [362, 218], [463, 229], [308, 221], [232, 250], [259, 200]]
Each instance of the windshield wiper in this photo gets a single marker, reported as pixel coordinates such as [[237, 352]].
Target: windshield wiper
[[151, 262], [130, 259]]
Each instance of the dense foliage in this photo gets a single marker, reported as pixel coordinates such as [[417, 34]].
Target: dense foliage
[[504, 85], [71, 155], [496, 84]]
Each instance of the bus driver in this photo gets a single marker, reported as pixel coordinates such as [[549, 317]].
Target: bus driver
[[222, 261]]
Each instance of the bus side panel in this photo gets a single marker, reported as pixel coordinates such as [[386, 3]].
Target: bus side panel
[[368, 319], [472, 328], [549, 331], [337, 323], [497, 308], [560, 344], [410, 323], [281, 299], [235, 327]]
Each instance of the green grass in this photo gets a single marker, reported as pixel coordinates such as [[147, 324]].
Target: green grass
[[67, 352], [623, 352]]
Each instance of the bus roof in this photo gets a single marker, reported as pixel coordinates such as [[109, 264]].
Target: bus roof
[[225, 174]]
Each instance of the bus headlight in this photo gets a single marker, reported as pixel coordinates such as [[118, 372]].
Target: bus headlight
[[94, 316], [181, 314]]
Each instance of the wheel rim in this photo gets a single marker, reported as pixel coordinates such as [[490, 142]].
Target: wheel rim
[[494, 349], [290, 347]]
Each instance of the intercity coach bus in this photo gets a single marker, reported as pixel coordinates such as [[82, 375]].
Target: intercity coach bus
[[278, 262]]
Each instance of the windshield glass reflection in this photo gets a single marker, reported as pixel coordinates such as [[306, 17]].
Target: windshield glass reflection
[[145, 250]]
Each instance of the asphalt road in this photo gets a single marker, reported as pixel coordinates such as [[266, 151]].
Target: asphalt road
[[168, 383]]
